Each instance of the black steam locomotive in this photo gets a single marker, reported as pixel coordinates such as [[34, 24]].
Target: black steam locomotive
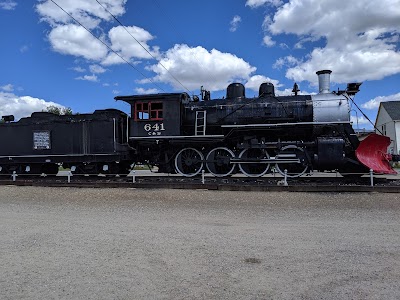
[[177, 133]]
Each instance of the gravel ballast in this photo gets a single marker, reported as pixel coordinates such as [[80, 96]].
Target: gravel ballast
[[71, 243]]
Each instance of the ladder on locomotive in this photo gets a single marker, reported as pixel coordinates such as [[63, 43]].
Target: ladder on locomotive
[[200, 126]]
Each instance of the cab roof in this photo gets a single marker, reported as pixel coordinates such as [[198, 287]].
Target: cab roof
[[149, 97]]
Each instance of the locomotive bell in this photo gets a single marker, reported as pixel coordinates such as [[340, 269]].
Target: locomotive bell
[[324, 81], [235, 90]]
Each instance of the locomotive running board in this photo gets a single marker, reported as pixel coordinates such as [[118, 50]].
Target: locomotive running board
[[284, 124], [158, 137], [286, 160], [372, 153]]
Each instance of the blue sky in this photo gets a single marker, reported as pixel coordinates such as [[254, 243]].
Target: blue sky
[[48, 59]]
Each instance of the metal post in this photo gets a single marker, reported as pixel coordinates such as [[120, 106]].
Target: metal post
[[69, 174], [202, 177], [133, 177], [14, 175], [285, 180], [371, 174]]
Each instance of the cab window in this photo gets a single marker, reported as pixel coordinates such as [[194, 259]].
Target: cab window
[[148, 111]]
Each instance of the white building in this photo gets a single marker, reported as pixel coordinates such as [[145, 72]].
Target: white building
[[388, 123]]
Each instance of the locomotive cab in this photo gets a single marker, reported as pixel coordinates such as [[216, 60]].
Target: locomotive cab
[[155, 115]]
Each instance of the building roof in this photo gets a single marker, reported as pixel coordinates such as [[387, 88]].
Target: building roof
[[393, 109]]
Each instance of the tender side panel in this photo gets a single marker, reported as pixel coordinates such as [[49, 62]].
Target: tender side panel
[[47, 135]]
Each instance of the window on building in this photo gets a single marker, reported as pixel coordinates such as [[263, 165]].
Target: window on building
[[384, 129], [149, 111]]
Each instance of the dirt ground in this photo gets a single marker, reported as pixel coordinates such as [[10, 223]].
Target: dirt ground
[[71, 243]]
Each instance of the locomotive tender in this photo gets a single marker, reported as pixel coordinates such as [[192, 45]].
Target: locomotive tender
[[86, 143], [177, 133]]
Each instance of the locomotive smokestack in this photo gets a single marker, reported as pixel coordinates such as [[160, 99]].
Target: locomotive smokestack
[[324, 81]]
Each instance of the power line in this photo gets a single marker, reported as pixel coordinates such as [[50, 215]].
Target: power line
[[116, 53], [119, 22], [364, 115], [176, 31]]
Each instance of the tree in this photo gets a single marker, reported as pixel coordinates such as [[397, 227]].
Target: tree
[[58, 111], [67, 111]]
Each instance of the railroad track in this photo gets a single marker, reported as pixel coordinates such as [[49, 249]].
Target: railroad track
[[324, 183]]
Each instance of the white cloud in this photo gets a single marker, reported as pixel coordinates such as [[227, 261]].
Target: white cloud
[[359, 120], [115, 92], [113, 59], [96, 69], [374, 103], [7, 88], [235, 23], [146, 91], [92, 78], [257, 3], [71, 39], [79, 69], [75, 40], [288, 92], [283, 46], [267, 41], [285, 61], [214, 69], [362, 62], [302, 41], [24, 49], [22, 106], [8, 5], [87, 12], [255, 81], [68, 38], [123, 43], [358, 38]]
